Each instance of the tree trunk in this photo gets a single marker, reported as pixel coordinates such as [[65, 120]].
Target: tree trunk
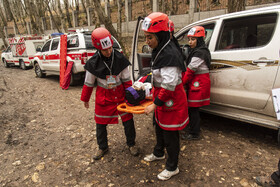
[[96, 19], [62, 17], [84, 6], [49, 9], [7, 10], [174, 7], [66, 5], [107, 22], [164, 5], [3, 18], [151, 4], [2, 34], [236, 5], [9, 14], [119, 24], [37, 14], [19, 14], [77, 7], [29, 11]]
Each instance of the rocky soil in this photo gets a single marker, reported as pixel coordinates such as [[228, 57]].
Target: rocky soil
[[47, 138]]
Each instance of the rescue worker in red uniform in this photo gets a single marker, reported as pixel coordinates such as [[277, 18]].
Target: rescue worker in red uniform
[[197, 80], [169, 98], [110, 69]]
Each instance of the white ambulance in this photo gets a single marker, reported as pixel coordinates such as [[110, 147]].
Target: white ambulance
[[79, 50], [21, 51]]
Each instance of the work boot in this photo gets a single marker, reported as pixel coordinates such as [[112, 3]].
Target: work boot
[[100, 153], [192, 137], [134, 150], [265, 181], [165, 174], [152, 157]]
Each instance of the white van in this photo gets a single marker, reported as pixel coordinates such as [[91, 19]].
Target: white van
[[21, 51], [245, 49]]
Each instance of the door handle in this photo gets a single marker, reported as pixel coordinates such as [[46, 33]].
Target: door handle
[[263, 61]]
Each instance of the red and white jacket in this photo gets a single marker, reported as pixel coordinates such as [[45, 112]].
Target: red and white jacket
[[169, 95], [197, 82], [107, 100]]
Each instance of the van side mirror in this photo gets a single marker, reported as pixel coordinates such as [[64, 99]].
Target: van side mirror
[[38, 49]]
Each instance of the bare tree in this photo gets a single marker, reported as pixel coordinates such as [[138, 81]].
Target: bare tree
[[164, 6], [84, 6], [3, 18], [236, 5], [10, 16], [29, 8], [2, 33], [52, 17], [66, 6], [174, 7], [77, 9], [62, 16], [19, 13], [96, 19], [38, 12], [119, 24], [107, 22]]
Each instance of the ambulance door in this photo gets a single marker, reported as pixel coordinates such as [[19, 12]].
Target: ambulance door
[[44, 59], [8, 55], [53, 56], [141, 53]]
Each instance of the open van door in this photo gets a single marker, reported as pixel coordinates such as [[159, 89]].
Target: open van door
[[141, 53]]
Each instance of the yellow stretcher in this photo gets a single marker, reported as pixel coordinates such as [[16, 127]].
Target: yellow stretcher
[[139, 109]]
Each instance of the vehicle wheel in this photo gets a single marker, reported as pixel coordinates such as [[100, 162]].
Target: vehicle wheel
[[73, 82], [22, 65], [6, 64], [39, 73]]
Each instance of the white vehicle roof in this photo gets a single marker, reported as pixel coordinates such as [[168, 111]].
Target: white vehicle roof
[[275, 8]]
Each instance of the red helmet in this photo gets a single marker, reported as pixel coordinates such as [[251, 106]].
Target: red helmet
[[171, 26], [156, 22], [101, 38], [196, 31]]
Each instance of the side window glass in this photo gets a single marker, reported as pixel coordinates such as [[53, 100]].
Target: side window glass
[[46, 47], [73, 41], [55, 44], [209, 28], [251, 31]]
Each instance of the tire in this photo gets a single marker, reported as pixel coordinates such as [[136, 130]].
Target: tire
[[22, 65], [39, 73], [73, 82], [6, 64]]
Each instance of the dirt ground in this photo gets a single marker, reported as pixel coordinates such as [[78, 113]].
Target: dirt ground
[[47, 138]]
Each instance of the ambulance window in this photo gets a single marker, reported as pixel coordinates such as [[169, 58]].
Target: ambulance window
[[183, 39], [73, 41], [55, 44], [247, 32], [88, 41], [8, 49], [46, 47]]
